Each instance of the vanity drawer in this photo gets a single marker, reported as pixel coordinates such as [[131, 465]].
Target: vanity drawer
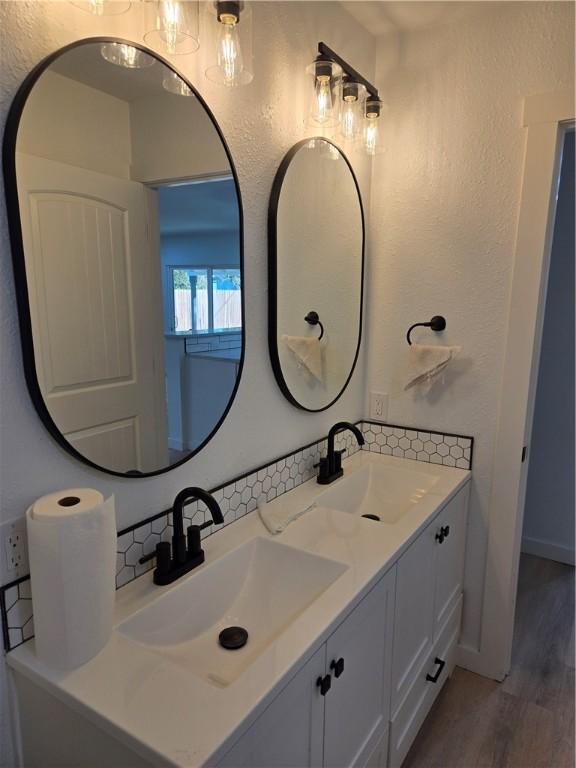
[[409, 718]]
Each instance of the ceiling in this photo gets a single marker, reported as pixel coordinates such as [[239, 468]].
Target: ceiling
[[199, 206], [381, 18]]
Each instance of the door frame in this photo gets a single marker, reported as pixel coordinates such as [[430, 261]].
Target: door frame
[[546, 118]]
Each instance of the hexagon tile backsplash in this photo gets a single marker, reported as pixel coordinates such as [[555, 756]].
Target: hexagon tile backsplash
[[240, 496]]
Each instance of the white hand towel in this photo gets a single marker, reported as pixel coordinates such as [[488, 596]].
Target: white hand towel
[[426, 363], [277, 515], [308, 353]]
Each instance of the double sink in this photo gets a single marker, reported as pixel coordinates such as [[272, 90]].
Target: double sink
[[263, 585]]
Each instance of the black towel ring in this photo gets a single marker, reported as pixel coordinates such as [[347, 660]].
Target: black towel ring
[[312, 318], [438, 323]]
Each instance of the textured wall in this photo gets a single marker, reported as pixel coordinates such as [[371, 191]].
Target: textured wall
[[260, 122], [444, 214]]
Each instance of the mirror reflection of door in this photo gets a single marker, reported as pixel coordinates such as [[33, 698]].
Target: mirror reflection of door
[[131, 236]]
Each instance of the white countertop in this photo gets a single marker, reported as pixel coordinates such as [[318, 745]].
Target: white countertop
[[168, 715]]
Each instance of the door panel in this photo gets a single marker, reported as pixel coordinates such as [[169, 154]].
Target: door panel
[[109, 442], [357, 706]]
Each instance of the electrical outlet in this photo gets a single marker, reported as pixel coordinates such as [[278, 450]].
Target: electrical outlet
[[14, 549], [379, 406]]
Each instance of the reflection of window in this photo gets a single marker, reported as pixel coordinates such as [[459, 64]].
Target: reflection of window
[[205, 299]]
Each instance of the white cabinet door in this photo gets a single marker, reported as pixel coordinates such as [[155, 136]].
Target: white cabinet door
[[289, 732], [357, 705], [414, 618], [451, 542]]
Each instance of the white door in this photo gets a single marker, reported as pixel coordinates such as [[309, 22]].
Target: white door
[[95, 303], [289, 732], [358, 660], [451, 525]]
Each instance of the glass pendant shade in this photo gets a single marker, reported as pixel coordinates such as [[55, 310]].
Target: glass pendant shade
[[352, 110], [103, 7], [371, 129], [172, 26], [229, 43], [174, 84], [326, 94], [124, 55]]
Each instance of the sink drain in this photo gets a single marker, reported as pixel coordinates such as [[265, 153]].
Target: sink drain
[[233, 638], [372, 517]]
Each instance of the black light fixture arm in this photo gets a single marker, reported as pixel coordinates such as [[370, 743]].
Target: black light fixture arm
[[324, 50]]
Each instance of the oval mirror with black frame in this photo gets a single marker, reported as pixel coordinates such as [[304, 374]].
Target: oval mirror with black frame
[[126, 229], [315, 269]]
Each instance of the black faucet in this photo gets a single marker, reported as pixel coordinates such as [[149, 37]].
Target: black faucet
[[330, 467], [186, 552]]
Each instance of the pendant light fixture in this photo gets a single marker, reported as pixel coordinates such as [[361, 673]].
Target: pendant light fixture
[[124, 55], [103, 7], [327, 90], [358, 107], [172, 26], [230, 48]]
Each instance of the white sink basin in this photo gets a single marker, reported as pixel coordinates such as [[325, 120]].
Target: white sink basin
[[386, 491], [262, 586]]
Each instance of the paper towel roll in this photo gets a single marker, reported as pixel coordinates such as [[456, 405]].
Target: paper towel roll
[[72, 552]]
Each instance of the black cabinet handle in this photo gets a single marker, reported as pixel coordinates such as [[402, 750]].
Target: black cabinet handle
[[443, 533], [434, 678], [338, 667], [324, 683]]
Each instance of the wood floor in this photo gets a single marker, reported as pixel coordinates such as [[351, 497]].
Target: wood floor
[[527, 721]]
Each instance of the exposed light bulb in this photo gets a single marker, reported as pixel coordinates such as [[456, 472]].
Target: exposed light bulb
[[229, 50], [349, 118], [353, 97], [124, 55], [371, 135], [170, 25], [229, 62], [324, 101]]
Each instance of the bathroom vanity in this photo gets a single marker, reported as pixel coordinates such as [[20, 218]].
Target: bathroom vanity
[[352, 623]]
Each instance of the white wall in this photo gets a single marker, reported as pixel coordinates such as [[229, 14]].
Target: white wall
[[95, 135], [173, 138], [549, 512], [445, 201], [260, 123]]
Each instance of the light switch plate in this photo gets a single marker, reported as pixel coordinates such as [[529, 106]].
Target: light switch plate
[[379, 406], [13, 550]]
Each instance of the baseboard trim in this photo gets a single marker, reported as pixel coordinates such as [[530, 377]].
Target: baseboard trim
[[548, 549], [472, 660]]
